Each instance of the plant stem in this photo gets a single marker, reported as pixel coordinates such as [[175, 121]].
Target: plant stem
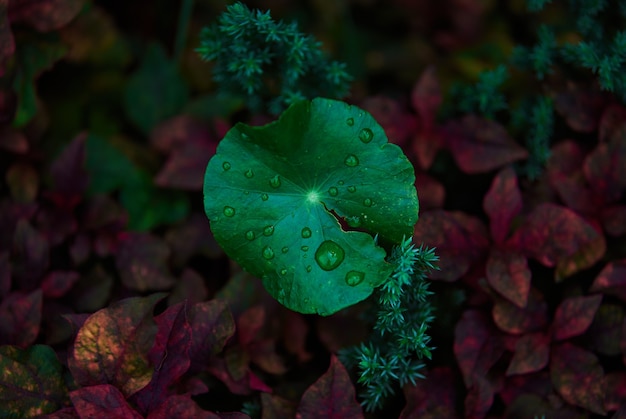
[[183, 25]]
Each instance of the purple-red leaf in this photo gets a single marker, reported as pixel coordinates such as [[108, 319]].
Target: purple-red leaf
[[69, 175], [169, 356], [615, 389], [508, 274], [480, 145], [180, 406], [471, 334], [21, 318], [44, 15], [331, 396], [578, 377], [580, 108], [574, 315], [431, 398], [612, 280], [515, 320], [432, 193], [395, 120], [112, 346], [532, 352], [614, 220], [30, 255], [102, 401], [57, 283], [460, 239], [479, 398], [502, 203], [142, 262], [426, 98]]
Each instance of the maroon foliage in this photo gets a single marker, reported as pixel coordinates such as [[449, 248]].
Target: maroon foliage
[[102, 400], [574, 315], [432, 398]]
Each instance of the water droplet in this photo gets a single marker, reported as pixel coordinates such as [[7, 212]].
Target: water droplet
[[354, 278], [283, 271], [306, 233], [350, 121], [265, 197], [229, 211], [351, 160], [309, 268], [245, 136], [250, 235], [305, 248], [226, 166], [341, 182], [284, 249], [333, 191], [306, 301], [367, 202], [268, 231], [352, 189], [329, 255], [353, 222], [275, 181], [268, 253], [366, 135], [249, 174]]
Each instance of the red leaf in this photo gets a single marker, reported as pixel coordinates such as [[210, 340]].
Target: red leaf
[[180, 406], [532, 352], [566, 157], [508, 273], [612, 280], [426, 98], [614, 220], [615, 387], [514, 320], [574, 192], [21, 318], [605, 170], [276, 407], [142, 260], [612, 122], [331, 396], [395, 120], [102, 401], [581, 108], [555, 235], [574, 315], [264, 354], [460, 239], [169, 355], [433, 397], [480, 145], [471, 334], [578, 377], [502, 203], [30, 255], [426, 145], [250, 323], [56, 284], [112, 345], [537, 383], [431, 192], [44, 15], [191, 287], [479, 399]]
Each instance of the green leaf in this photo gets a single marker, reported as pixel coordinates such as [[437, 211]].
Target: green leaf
[[31, 382], [155, 91], [275, 196]]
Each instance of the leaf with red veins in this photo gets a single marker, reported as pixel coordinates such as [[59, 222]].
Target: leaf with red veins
[[508, 273], [514, 320], [113, 344], [479, 398], [581, 108], [574, 315], [555, 235], [578, 377], [180, 406], [21, 318], [68, 174], [461, 240], [102, 401], [432, 193], [426, 98], [57, 283], [169, 356], [431, 398], [398, 124], [614, 220], [532, 352], [612, 280], [502, 203], [142, 261], [480, 145], [212, 325], [332, 396], [44, 15]]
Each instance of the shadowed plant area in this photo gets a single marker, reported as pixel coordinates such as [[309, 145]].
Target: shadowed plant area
[[316, 209]]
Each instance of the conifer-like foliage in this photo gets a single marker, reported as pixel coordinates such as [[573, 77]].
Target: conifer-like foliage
[[271, 64], [393, 355]]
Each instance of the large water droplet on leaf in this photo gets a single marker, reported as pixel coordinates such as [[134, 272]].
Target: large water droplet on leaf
[[350, 121], [366, 135], [309, 268], [268, 231], [304, 248], [354, 278], [351, 160], [268, 253], [250, 235], [367, 202], [283, 271], [284, 249], [226, 166], [265, 197], [352, 189], [329, 255], [229, 211], [306, 233], [275, 181], [332, 191]]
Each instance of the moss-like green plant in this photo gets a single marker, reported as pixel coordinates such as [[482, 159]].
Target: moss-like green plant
[[269, 63]]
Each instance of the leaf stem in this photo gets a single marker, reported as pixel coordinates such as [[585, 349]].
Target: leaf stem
[[183, 28]]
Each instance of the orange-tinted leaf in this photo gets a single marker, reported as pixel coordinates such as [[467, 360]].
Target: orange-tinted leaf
[[574, 315], [276, 407], [142, 262], [331, 396], [515, 320], [553, 235], [502, 203], [479, 398], [169, 355], [460, 239], [21, 318], [102, 401], [212, 325], [433, 397], [112, 346], [44, 15], [431, 192], [57, 283], [614, 220], [398, 124], [480, 145], [578, 377], [531, 354], [580, 108], [180, 406], [508, 273], [612, 280]]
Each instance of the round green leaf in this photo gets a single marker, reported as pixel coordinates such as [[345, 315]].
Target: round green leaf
[[275, 196]]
